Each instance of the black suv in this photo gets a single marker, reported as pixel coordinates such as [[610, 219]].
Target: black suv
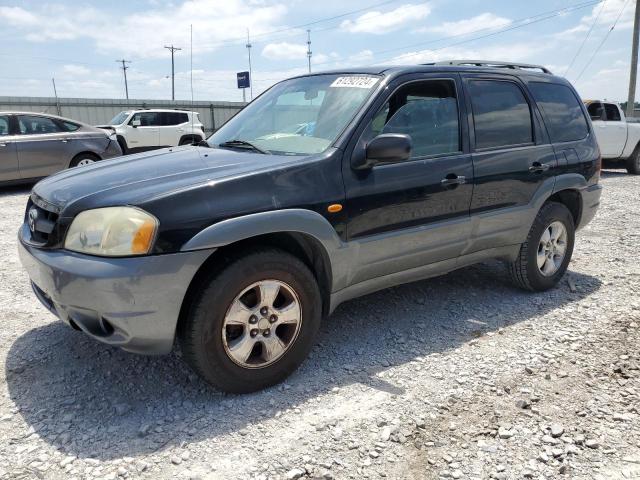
[[325, 188]]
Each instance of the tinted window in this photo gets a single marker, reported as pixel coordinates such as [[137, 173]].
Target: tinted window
[[613, 114], [501, 114], [31, 125], [4, 125], [426, 111], [596, 111], [70, 127], [175, 118], [562, 111], [147, 119]]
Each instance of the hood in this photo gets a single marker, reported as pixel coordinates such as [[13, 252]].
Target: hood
[[135, 179]]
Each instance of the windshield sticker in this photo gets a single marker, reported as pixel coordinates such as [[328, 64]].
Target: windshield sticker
[[354, 82]]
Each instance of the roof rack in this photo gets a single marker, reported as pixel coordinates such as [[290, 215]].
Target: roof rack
[[488, 63]]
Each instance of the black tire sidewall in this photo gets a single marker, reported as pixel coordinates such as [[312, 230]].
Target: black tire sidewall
[[83, 156], [209, 309], [551, 213]]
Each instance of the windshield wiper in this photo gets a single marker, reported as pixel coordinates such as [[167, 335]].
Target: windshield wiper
[[244, 144]]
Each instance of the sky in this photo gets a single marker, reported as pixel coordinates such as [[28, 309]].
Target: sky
[[78, 42]]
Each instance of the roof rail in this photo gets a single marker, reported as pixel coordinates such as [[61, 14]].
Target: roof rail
[[489, 63]]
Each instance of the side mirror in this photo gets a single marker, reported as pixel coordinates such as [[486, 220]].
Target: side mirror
[[386, 148], [135, 123]]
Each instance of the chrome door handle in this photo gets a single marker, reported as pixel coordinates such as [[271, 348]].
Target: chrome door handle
[[453, 179], [4, 144], [538, 167]]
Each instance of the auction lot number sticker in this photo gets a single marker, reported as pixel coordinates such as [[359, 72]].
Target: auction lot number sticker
[[354, 82]]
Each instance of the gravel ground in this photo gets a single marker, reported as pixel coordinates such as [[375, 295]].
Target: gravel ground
[[461, 376]]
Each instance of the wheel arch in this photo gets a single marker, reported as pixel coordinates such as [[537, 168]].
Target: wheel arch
[[194, 137], [572, 199]]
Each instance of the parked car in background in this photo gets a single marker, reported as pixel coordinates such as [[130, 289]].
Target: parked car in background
[[34, 145], [140, 130], [241, 245], [619, 140]]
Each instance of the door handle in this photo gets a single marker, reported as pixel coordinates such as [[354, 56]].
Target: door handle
[[64, 140], [453, 180], [538, 167], [4, 144]]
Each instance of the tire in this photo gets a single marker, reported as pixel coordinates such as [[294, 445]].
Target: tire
[[83, 159], [206, 342], [633, 163], [525, 270], [123, 144]]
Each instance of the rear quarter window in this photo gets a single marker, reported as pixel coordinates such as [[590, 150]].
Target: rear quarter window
[[563, 114]]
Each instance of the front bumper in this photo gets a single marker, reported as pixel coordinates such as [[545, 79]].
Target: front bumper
[[132, 303], [590, 203], [113, 150]]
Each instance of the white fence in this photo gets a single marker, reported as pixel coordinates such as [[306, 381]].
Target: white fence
[[97, 111]]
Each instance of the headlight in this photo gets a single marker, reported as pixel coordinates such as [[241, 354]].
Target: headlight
[[112, 232]]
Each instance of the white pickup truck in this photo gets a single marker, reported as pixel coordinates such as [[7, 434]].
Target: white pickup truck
[[618, 139]]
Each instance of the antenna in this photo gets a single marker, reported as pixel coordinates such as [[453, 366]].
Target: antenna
[[124, 70], [55, 92], [191, 75], [250, 70], [309, 52], [173, 73]]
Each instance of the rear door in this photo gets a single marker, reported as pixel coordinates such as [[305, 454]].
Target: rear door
[[143, 131], [616, 130], [512, 157], [409, 214], [43, 146], [172, 127], [9, 169]]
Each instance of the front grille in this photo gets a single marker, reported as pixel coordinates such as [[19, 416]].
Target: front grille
[[41, 219]]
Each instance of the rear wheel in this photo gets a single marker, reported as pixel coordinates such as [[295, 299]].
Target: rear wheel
[[190, 140], [252, 324], [545, 255], [633, 163], [83, 159]]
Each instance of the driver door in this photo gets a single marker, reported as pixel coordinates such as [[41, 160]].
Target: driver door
[[413, 213]]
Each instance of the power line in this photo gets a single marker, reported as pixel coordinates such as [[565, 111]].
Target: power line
[[173, 71], [595, 52], [585, 38], [124, 71]]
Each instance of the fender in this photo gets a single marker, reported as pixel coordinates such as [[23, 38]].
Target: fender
[[570, 181], [302, 221]]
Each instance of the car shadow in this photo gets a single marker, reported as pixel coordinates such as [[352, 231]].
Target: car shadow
[[609, 173], [91, 400]]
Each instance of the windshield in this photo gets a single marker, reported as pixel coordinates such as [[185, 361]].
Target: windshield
[[300, 116], [119, 118]]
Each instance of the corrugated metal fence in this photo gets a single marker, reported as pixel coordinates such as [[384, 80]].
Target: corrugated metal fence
[[97, 111]]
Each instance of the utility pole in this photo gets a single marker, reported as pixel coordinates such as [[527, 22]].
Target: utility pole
[[309, 53], [124, 71], [173, 72], [634, 62], [250, 69], [55, 92]]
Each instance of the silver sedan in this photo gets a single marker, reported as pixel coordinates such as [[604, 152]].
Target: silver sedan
[[34, 145]]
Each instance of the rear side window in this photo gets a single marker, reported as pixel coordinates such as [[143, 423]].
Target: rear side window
[[562, 111], [174, 118], [501, 114], [613, 114]]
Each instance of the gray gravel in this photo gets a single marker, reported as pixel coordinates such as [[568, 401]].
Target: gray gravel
[[461, 376]]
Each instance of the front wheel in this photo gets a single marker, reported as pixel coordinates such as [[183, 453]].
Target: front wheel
[[83, 159], [545, 255], [252, 324]]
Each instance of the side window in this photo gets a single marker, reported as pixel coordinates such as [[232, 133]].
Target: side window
[[70, 127], [501, 114], [32, 125], [147, 119], [174, 118], [596, 111], [613, 114], [4, 125], [563, 114], [427, 112]]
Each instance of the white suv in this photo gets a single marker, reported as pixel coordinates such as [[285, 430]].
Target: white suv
[[139, 130]]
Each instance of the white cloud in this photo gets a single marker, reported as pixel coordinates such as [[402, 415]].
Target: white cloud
[[143, 34], [284, 51], [76, 70], [484, 21], [379, 23], [610, 11]]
